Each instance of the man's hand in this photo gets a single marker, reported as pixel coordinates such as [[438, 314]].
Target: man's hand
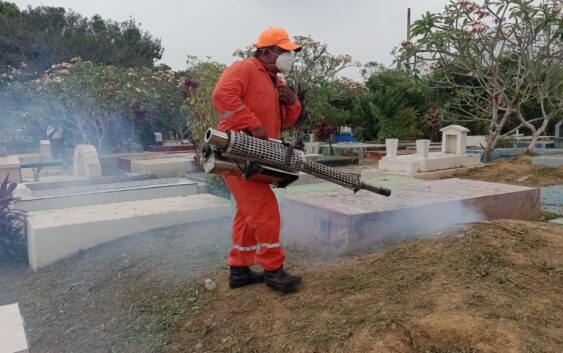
[[259, 133], [287, 97]]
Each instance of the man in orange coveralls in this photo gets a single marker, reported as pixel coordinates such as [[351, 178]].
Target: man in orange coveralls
[[251, 97]]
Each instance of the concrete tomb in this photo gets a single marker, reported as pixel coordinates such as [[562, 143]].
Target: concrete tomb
[[77, 193], [548, 161], [453, 154], [10, 165], [56, 234], [342, 222]]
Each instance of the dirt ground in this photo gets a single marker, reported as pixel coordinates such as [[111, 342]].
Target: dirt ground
[[516, 170], [496, 287], [124, 296]]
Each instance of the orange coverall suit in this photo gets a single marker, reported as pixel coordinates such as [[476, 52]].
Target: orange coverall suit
[[246, 99]]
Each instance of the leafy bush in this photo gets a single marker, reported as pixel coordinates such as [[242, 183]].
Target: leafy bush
[[404, 126], [505, 143], [12, 226]]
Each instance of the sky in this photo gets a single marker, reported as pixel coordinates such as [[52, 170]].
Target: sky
[[365, 29]]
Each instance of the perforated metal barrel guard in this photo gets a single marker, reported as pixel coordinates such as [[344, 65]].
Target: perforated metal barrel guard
[[269, 153]]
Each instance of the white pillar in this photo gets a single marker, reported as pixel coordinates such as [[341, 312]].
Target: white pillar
[[422, 148], [391, 146], [45, 150]]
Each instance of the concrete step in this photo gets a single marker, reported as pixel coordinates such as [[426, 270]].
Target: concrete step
[[12, 332], [56, 234]]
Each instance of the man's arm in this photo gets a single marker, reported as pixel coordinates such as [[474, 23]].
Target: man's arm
[[291, 108], [233, 113]]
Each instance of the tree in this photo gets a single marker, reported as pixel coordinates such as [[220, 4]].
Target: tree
[[40, 37], [108, 106], [160, 99], [498, 56], [201, 78], [393, 105], [331, 105]]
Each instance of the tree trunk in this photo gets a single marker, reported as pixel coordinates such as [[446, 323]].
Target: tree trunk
[[492, 140], [535, 136], [488, 153]]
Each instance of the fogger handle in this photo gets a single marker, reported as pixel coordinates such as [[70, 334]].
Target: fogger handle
[[376, 189]]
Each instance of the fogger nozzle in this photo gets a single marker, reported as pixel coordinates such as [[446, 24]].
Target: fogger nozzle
[[240, 146], [377, 189], [217, 138]]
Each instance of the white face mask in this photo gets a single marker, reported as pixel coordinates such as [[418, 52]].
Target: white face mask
[[284, 62]]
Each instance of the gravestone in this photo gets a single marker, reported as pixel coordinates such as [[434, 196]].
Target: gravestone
[[158, 139], [422, 148], [559, 130], [391, 146], [559, 134], [86, 162], [45, 150]]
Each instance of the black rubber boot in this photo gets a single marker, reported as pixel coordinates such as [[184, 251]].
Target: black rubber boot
[[281, 280], [243, 276]]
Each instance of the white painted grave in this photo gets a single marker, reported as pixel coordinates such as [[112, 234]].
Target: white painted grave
[[56, 234], [453, 155], [454, 139], [12, 331]]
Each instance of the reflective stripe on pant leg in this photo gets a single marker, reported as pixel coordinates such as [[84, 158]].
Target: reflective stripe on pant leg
[[259, 206], [244, 245], [265, 225]]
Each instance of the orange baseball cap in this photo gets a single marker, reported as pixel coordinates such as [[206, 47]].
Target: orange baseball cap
[[276, 36]]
